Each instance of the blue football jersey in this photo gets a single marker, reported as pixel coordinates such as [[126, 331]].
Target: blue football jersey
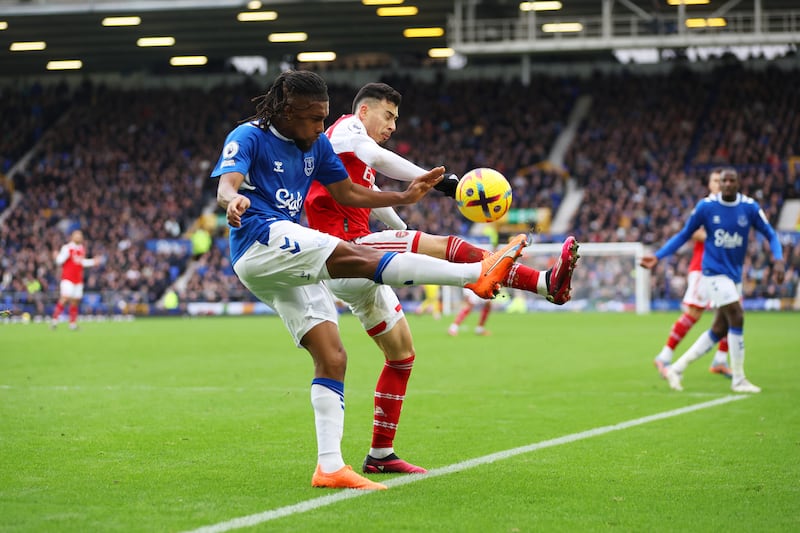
[[727, 226], [277, 177]]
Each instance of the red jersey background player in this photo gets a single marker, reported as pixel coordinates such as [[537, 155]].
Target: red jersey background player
[[694, 303], [72, 258]]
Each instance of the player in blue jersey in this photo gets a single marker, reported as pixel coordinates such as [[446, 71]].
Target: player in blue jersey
[[265, 170], [727, 218]]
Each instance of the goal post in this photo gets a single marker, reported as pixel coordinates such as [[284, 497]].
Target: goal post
[[608, 278]]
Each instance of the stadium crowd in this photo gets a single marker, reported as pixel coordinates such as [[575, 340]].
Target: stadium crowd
[[130, 168]]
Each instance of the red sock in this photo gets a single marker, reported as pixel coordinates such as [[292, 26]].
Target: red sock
[[462, 315], [460, 251], [484, 313], [523, 277], [723, 344], [73, 314], [389, 395], [679, 329], [58, 311]]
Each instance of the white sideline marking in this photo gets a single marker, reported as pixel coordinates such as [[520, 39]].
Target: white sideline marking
[[316, 503]]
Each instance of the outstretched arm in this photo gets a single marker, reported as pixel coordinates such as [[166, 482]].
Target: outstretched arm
[[763, 226], [348, 193], [397, 167]]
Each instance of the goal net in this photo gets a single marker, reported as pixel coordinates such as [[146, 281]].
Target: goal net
[[608, 278]]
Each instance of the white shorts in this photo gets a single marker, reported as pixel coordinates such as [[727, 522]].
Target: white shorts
[[72, 290], [286, 272], [391, 240], [376, 306], [721, 290], [695, 296]]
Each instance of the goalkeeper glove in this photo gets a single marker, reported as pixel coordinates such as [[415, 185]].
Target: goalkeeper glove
[[448, 185]]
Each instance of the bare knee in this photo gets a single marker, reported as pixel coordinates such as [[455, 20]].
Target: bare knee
[[397, 343], [327, 351]]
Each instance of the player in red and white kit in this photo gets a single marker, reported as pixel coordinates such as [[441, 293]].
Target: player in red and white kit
[[72, 258], [695, 302], [356, 139]]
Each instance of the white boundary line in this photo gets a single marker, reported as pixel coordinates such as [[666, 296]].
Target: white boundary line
[[316, 503]]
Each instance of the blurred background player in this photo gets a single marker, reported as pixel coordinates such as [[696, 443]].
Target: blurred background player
[[72, 258], [356, 139], [695, 301], [727, 218], [432, 302], [471, 303]]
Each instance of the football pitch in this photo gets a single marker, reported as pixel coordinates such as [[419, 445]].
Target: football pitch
[[556, 422]]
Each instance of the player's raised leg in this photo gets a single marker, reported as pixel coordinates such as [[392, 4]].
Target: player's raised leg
[[554, 284], [495, 268]]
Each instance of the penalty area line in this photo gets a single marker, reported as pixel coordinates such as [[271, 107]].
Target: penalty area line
[[316, 503]]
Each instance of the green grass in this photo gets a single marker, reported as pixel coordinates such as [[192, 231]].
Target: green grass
[[174, 424]]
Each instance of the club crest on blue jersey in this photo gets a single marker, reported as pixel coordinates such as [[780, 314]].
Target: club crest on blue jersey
[[742, 221], [309, 165]]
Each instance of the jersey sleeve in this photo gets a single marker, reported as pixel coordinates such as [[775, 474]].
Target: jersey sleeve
[[331, 168], [63, 255], [237, 154], [763, 226], [680, 238], [385, 161]]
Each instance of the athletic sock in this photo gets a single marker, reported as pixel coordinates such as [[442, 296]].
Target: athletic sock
[[389, 395], [73, 314], [460, 251], [487, 307], [706, 341], [736, 350], [327, 399], [57, 313], [665, 355], [721, 357], [524, 277], [400, 270], [679, 329]]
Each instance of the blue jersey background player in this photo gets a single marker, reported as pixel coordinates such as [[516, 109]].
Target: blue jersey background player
[[727, 218]]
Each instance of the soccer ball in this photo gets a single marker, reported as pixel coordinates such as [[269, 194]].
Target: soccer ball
[[483, 195]]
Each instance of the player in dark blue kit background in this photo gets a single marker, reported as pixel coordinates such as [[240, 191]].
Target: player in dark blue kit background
[[727, 218]]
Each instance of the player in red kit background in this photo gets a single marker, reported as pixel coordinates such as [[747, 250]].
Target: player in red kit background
[[72, 258]]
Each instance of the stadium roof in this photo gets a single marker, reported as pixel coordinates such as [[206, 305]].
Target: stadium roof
[[73, 30]]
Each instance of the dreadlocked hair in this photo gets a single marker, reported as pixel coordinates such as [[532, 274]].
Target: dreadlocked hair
[[289, 83]]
